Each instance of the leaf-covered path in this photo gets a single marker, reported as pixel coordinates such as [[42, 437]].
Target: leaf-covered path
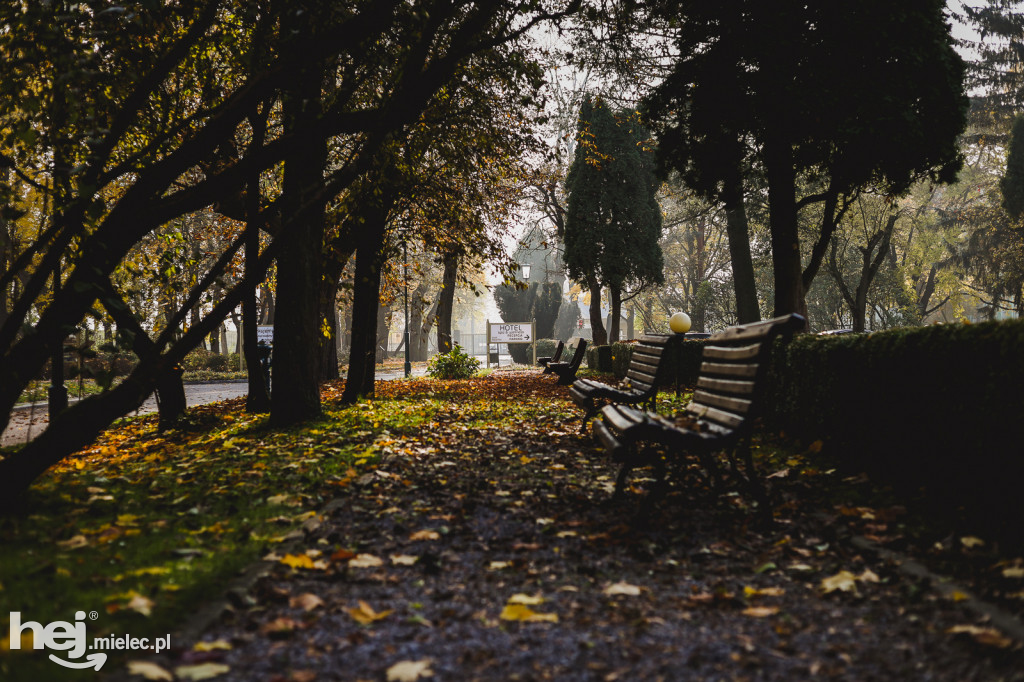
[[484, 546]]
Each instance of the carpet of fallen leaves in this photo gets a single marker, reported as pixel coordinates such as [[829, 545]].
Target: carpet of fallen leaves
[[484, 546]]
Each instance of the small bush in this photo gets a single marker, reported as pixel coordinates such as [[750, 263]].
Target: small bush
[[453, 365]]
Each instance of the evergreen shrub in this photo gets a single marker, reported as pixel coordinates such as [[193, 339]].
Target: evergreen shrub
[[456, 364]]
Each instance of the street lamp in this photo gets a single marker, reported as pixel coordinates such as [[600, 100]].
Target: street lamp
[[405, 282]]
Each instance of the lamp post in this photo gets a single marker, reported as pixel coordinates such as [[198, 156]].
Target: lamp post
[[405, 282]]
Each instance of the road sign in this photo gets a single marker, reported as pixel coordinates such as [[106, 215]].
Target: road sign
[[511, 332]]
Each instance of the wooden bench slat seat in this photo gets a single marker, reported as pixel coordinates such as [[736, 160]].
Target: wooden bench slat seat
[[719, 418], [644, 375]]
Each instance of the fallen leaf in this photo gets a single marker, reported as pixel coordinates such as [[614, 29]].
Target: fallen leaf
[[302, 676], [1013, 572], [986, 636], [761, 611], [203, 671], [526, 600], [521, 612], [149, 671], [425, 535], [868, 576], [297, 561], [498, 565], [763, 591], [844, 581], [622, 588], [74, 543], [409, 671], [404, 559], [970, 542], [215, 645], [365, 615], [140, 604], [306, 601], [365, 561]]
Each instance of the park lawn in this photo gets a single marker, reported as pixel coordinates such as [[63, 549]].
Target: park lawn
[[144, 527]]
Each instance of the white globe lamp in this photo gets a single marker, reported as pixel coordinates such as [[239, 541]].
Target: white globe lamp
[[679, 323]]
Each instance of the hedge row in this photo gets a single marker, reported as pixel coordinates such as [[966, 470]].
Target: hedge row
[[938, 409]]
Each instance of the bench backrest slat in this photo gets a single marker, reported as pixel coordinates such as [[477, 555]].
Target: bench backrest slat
[[732, 372]]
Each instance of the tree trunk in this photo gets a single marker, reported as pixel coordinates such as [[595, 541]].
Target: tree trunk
[[446, 302], [598, 334], [328, 365], [616, 297], [789, 291], [365, 302], [295, 391], [257, 399], [738, 231]]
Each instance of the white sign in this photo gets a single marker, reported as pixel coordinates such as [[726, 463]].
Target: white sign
[[265, 332], [511, 332]]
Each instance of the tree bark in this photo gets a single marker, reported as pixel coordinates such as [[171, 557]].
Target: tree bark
[[738, 231], [365, 303], [616, 316], [446, 302], [295, 391], [598, 333], [788, 273]]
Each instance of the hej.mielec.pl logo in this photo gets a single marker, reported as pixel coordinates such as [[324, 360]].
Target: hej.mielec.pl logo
[[71, 638]]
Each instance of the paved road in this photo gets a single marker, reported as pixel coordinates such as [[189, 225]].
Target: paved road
[[28, 422]]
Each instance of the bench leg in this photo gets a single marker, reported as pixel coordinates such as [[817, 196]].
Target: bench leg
[[591, 412], [757, 488]]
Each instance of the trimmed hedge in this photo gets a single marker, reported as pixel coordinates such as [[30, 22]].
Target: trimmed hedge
[[935, 408]]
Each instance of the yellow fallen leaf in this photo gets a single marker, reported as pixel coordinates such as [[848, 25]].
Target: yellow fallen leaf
[[1013, 572], [970, 542], [498, 565], [203, 671], [526, 600], [868, 576], [306, 601], [521, 612], [425, 535], [749, 591], [761, 611], [622, 589], [409, 671], [843, 581], [957, 595], [215, 645], [297, 561], [404, 559], [365, 615], [365, 561], [149, 671]]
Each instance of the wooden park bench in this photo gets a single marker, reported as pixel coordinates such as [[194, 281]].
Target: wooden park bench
[[554, 358], [566, 371], [728, 397], [645, 373]]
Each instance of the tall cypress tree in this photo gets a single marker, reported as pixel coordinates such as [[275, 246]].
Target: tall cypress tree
[[613, 221]]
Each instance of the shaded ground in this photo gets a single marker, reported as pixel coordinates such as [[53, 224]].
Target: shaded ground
[[493, 552]]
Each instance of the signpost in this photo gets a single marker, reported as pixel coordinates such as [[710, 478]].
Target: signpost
[[511, 332]]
